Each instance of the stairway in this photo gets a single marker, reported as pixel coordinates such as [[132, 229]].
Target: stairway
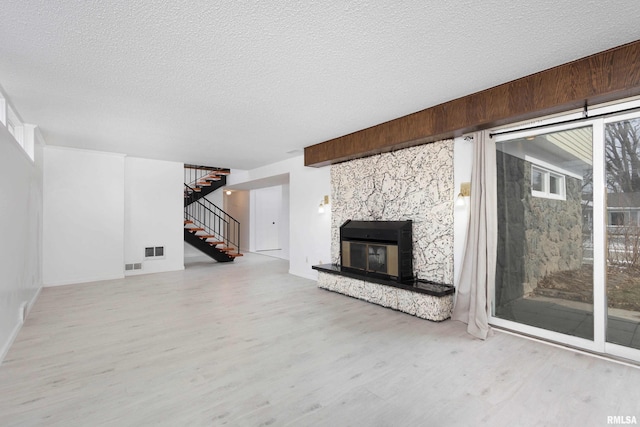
[[207, 227], [202, 180]]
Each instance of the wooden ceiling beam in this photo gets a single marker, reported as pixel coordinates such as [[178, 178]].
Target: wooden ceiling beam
[[605, 76]]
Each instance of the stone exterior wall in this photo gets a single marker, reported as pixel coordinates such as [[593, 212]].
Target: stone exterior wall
[[414, 183], [553, 233], [536, 236]]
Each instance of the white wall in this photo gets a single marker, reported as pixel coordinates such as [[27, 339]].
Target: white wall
[[20, 235], [285, 222], [237, 205], [309, 232], [83, 216], [216, 197], [462, 160], [153, 214]]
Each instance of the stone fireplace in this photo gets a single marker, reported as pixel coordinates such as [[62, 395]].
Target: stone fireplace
[[412, 185]]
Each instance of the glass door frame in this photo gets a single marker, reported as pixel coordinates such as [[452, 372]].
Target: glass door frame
[[611, 348], [598, 344]]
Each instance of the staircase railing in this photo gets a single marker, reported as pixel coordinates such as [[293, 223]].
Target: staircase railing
[[214, 221], [195, 177]]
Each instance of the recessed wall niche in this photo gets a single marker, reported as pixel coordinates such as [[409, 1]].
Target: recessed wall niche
[[414, 183]]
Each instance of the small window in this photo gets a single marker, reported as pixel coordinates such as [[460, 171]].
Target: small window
[[554, 184], [617, 219], [547, 184], [537, 179]]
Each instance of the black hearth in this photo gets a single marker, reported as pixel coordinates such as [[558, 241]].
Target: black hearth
[[381, 249]]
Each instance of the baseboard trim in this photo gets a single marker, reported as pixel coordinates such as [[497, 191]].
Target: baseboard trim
[[310, 276], [83, 280], [16, 330], [7, 345]]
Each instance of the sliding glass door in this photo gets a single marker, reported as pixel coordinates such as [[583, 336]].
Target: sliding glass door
[[622, 160], [568, 257], [544, 274]]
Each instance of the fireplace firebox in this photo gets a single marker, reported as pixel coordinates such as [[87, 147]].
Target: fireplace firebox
[[382, 249]]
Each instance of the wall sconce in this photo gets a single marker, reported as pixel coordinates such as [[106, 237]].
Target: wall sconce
[[465, 191], [228, 192], [323, 202]]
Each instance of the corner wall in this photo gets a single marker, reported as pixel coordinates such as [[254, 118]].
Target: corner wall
[[154, 214], [83, 216], [309, 231], [237, 205], [462, 164], [21, 235], [102, 209]]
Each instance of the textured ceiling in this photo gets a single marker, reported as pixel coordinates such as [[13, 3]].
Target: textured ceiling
[[242, 84]]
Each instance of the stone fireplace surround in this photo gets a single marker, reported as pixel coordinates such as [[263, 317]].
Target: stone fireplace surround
[[410, 184]]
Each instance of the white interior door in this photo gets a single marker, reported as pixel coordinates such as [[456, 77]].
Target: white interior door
[[268, 202]]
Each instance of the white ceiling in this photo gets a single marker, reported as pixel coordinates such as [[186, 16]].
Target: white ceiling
[[240, 84]]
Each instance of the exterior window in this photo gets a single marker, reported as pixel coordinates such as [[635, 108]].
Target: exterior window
[[547, 184], [537, 179], [617, 218], [554, 184]]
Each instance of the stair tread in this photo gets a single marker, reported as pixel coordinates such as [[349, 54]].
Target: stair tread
[[199, 237]]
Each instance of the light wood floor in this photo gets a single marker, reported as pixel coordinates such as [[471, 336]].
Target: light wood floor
[[246, 344]]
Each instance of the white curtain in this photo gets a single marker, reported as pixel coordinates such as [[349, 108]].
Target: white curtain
[[477, 274]]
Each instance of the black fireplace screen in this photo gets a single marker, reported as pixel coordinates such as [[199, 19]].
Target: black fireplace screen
[[380, 248], [377, 258], [358, 255]]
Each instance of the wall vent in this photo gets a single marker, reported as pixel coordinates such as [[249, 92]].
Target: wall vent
[[128, 267], [137, 266], [154, 252]]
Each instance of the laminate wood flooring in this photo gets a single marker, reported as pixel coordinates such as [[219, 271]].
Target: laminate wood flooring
[[246, 344]]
